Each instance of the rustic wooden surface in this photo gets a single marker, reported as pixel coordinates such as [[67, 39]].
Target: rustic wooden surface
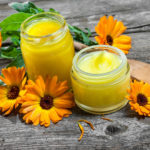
[[127, 131]]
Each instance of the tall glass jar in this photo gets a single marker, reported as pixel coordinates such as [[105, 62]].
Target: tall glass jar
[[100, 93], [47, 53]]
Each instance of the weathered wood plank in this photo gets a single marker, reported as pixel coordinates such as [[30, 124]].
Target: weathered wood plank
[[135, 14], [126, 132]]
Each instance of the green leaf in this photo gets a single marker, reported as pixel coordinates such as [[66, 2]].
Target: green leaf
[[1, 83], [81, 36], [15, 41], [89, 32], [53, 10], [10, 52], [26, 7], [15, 34], [12, 23], [18, 62], [86, 39]]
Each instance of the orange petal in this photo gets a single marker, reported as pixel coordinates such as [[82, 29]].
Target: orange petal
[[88, 122], [29, 103], [35, 90], [54, 116], [35, 117], [143, 109], [57, 89], [82, 131], [64, 101], [10, 109], [111, 25], [5, 105], [36, 121], [99, 40], [122, 30], [20, 73], [40, 83], [47, 84], [123, 39], [101, 26], [31, 97], [63, 112], [3, 91], [118, 29], [42, 118], [147, 107], [22, 86], [61, 90], [53, 86], [27, 115], [125, 47], [13, 76], [60, 103], [28, 109], [46, 118]]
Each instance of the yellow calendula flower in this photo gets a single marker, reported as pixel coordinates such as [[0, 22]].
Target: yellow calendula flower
[[46, 100], [11, 94], [109, 33], [139, 97]]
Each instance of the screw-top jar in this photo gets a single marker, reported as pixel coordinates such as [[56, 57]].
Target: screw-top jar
[[47, 46], [104, 90]]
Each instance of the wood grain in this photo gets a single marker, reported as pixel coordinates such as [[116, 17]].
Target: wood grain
[[140, 70], [128, 131]]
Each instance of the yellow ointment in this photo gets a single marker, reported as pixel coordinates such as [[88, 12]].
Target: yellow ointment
[[43, 27], [48, 49], [100, 80], [99, 62]]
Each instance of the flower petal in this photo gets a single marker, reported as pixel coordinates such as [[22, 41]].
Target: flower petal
[[118, 29], [54, 116], [13, 76], [63, 112], [64, 101], [122, 39]]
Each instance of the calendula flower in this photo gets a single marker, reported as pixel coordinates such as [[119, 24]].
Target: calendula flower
[[46, 100], [0, 39], [11, 94], [109, 33], [139, 97]]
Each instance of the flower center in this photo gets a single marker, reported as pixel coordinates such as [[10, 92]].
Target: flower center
[[46, 102], [13, 92], [142, 99], [109, 40]]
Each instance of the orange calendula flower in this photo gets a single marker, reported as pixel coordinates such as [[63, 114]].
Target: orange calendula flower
[[46, 100], [11, 94], [109, 33], [139, 97]]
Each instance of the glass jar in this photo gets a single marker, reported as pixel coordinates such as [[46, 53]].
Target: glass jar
[[100, 93], [48, 54]]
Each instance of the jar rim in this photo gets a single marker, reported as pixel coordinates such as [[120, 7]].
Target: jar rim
[[114, 71], [23, 30]]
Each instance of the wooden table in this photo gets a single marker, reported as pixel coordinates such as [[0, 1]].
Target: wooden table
[[128, 131]]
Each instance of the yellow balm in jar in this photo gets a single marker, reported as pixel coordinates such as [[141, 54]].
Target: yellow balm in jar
[[100, 79], [47, 46]]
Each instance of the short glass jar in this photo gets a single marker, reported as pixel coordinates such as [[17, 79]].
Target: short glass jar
[[100, 93], [47, 46]]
